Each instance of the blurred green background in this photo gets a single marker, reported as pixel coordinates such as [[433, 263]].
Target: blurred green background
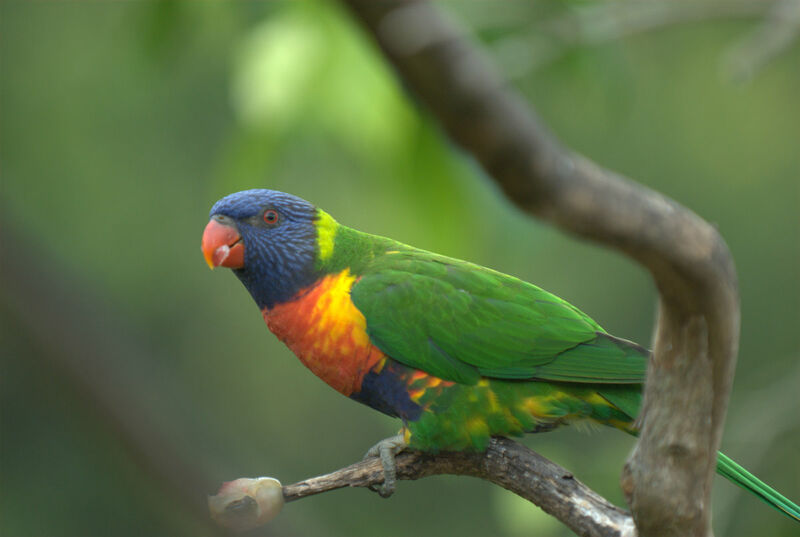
[[134, 380]]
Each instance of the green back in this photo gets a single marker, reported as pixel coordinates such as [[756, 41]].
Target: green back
[[461, 322]]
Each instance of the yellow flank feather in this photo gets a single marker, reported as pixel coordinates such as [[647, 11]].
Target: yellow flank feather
[[494, 405], [416, 395], [596, 399], [535, 406], [477, 427], [326, 234]]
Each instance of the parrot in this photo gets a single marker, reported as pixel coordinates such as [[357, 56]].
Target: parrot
[[458, 352]]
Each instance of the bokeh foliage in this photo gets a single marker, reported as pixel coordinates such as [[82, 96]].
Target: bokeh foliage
[[123, 122]]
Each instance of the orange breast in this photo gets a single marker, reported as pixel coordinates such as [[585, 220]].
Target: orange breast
[[326, 331]]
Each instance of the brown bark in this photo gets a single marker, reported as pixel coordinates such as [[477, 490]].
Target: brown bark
[[506, 463]]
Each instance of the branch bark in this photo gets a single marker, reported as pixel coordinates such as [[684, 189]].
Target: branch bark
[[248, 503], [668, 476]]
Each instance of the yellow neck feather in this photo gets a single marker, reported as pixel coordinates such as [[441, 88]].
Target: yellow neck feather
[[326, 234]]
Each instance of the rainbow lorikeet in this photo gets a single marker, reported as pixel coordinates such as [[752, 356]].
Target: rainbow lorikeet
[[458, 352]]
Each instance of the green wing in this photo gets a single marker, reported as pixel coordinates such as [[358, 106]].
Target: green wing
[[461, 322]]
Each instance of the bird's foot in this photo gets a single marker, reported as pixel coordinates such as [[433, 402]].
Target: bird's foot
[[387, 449]]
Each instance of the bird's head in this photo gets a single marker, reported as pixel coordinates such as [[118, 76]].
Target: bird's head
[[268, 238]]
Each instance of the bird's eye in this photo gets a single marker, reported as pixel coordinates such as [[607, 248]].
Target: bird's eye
[[271, 216]]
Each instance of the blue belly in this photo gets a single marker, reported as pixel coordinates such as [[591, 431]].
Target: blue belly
[[387, 392]]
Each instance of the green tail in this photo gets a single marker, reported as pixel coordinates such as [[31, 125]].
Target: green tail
[[729, 469], [629, 402]]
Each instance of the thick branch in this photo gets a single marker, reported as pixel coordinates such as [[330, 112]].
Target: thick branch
[[668, 477]]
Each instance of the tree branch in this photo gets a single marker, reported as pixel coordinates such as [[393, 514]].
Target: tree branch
[[668, 477], [505, 463], [779, 30], [522, 53]]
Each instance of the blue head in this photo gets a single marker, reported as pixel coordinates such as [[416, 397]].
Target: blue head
[[268, 238]]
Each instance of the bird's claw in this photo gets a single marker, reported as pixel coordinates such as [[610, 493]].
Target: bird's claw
[[387, 449]]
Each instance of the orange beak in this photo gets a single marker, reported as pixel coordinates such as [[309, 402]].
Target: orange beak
[[222, 245]]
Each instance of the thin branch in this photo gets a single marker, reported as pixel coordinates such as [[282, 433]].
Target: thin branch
[[246, 504], [775, 34], [668, 477], [610, 21], [522, 53]]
